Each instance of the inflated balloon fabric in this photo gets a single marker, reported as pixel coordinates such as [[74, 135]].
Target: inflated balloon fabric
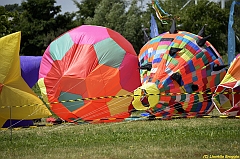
[[88, 62], [180, 64]]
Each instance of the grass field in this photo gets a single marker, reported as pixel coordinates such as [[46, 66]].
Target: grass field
[[157, 139]]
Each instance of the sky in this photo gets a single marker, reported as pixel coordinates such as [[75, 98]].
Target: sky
[[66, 5]]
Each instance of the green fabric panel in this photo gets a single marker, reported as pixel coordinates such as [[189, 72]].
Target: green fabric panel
[[195, 104], [199, 55], [173, 97], [165, 87], [165, 56], [197, 67], [176, 45], [204, 59], [189, 54], [109, 53], [217, 100], [217, 79], [163, 47], [71, 106], [183, 97], [144, 63], [209, 72], [162, 89], [60, 46], [189, 37], [174, 62]]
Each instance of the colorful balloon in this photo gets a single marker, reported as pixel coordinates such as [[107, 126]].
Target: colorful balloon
[[180, 69], [89, 62]]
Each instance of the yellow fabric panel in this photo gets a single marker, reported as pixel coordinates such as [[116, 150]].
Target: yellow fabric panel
[[16, 97], [227, 105], [2, 121], [234, 68], [119, 105], [224, 103], [42, 87], [137, 104], [9, 57], [228, 78], [150, 88]]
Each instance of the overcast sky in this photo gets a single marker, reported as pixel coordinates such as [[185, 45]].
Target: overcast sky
[[66, 5]]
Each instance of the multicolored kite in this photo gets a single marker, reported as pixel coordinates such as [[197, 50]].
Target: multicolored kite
[[17, 100], [227, 94], [158, 9], [89, 62], [178, 69]]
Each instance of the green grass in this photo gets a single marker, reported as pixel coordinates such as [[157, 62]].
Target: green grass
[[157, 139], [178, 138]]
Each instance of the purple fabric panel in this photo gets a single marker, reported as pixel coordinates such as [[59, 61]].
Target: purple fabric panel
[[17, 123], [30, 69]]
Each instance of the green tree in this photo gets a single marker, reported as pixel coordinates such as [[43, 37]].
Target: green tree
[[121, 17], [101, 12], [41, 22], [13, 7], [172, 7], [5, 22], [63, 23], [193, 17], [9, 20], [116, 17], [210, 13], [86, 9], [133, 26]]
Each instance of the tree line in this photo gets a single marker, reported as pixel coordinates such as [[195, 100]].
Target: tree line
[[41, 21]]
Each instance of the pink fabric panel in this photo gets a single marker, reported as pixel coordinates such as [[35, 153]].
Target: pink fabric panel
[[165, 42], [78, 34], [46, 64], [129, 73]]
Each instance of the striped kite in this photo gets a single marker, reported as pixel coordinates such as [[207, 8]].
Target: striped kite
[[158, 9]]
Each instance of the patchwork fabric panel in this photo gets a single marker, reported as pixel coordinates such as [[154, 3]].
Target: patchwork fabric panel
[[183, 68]]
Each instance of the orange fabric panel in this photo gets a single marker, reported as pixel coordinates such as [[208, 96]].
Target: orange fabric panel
[[82, 62], [74, 85], [95, 109], [234, 69], [104, 80], [60, 110]]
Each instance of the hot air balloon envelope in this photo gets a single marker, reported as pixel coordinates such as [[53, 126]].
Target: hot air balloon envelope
[[227, 94], [89, 62], [184, 67]]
